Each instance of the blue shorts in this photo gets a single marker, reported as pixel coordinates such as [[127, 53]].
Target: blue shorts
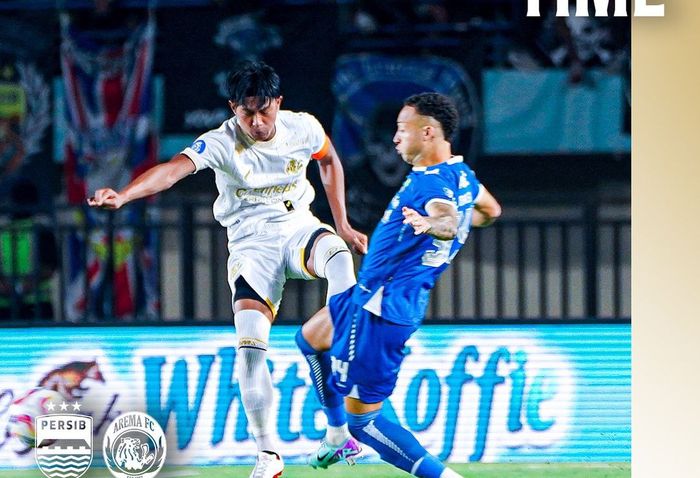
[[367, 350]]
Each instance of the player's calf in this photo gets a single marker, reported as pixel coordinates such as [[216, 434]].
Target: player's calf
[[337, 433], [396, 445], [253, 332]]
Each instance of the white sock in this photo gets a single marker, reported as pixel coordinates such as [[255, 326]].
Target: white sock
[[333, 261], [336, 436], [253, 333]]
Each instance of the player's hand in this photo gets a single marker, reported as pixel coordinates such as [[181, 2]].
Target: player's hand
[[419, 223], [106, 198], [357, 240]]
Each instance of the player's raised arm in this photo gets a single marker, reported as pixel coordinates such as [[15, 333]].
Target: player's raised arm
[[333, 180], [156, 179], [486, 209], [441, 221]]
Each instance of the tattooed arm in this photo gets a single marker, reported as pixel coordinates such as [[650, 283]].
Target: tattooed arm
[[441, 221]]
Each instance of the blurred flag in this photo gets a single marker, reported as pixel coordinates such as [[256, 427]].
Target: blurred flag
[[110, 139]]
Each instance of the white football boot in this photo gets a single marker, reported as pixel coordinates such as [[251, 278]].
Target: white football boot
[[268, 465]]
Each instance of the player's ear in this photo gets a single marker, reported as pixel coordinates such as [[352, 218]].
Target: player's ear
[[279, 100], [232, 105]]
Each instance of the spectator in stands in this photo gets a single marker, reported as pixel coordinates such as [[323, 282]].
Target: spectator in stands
[[28, 258]]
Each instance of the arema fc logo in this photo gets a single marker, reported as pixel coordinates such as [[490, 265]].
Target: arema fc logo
[[134, 446]]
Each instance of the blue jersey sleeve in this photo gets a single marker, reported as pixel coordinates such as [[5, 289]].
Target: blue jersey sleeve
[[476, 190], [474, 187], [468, 190], [431, 188]]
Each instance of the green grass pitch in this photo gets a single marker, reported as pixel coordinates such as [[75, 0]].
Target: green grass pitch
[[472, 470]]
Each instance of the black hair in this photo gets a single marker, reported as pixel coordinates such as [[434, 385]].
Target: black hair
[[437, 106], [253, 78]]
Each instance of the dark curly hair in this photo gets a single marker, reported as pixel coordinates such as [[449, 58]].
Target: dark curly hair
[[439, 107], [253, 78]]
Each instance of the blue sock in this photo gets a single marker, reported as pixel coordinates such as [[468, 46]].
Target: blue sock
[[395, 444], [320, 365]]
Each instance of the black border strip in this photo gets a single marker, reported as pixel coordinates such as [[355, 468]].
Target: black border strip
[[507, 321]]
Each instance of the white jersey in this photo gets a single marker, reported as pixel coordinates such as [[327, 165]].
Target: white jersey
[[259, 180]]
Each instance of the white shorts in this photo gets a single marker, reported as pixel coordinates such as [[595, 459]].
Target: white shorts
[[268, 258]]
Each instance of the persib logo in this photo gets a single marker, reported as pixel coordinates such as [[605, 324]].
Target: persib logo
[[63, 445], [641, 8]]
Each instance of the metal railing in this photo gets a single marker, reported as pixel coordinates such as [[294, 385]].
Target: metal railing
[[553, 263]]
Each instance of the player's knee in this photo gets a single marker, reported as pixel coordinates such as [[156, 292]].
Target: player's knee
[[327, 248], [253, 333], [252, 330], [304, 346], [357, 423]]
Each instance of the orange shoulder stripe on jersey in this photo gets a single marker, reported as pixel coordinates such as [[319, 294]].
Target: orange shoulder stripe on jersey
[[321, 153]]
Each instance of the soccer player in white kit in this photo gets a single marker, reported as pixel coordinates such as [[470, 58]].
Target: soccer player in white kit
[[259, 157]]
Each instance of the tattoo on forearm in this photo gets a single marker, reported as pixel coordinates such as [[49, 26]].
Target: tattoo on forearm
[[443, 228]]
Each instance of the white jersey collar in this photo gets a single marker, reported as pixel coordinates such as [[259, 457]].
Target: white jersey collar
[[452, 160]]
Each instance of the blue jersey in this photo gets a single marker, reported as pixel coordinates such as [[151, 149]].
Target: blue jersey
[[401, 268]]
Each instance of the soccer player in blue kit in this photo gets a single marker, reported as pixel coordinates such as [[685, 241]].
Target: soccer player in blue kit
[[355, 346]]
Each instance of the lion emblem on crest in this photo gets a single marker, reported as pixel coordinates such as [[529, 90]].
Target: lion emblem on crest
[[132, 454], [134, 446]]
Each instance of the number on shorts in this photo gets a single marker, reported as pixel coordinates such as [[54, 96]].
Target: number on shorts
[[341, 368]]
